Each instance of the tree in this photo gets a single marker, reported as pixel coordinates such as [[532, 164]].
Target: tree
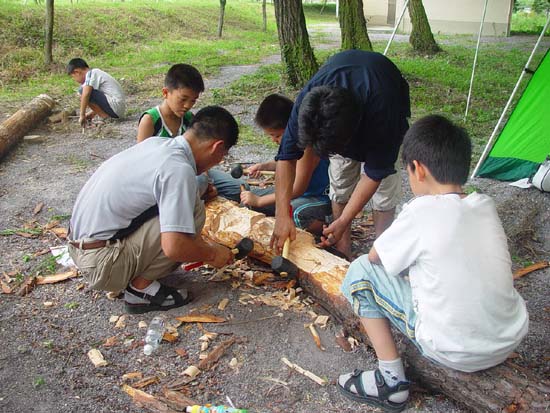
[[353, 26], [222, 15], [421, 39], [48, 44], [296, 52], [264, 16]]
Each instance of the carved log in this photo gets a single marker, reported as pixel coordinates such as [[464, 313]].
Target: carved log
[[13, 129], [507, 387]]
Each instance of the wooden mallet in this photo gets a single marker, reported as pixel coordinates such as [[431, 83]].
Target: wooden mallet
[[241, 250], [281, 264], [237, 171]]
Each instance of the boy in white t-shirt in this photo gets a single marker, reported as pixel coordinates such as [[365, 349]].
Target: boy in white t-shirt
[[458, 304], [99, 92]]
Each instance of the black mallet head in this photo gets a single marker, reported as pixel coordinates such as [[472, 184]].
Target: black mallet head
[[284, 267], [244, 247], [237, 171]]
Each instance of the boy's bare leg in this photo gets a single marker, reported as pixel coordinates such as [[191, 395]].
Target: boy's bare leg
[[382, 220], [140, 283], [344, 244], [98, 111], [380, 336]]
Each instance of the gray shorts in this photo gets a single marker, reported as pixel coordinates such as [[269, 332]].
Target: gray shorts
[[112, 267], [344, 175]]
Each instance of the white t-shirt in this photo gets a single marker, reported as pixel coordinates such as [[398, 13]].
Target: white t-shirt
[[469, 315], [158, 171], [100, 80]]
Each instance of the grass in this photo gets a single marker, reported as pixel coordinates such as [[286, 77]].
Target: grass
[[124, 39], [134, 41], [527, 23]]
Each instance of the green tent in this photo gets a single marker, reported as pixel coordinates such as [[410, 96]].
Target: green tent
[[524, 142]]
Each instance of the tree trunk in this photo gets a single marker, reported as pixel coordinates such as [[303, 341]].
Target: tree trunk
[[506, 386], [16, 126], [48, 44], [296, 52], [264, 16], [421, 39], [222, 15], [353, 26]]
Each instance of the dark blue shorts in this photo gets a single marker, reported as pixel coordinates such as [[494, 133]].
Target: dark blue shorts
[[99, 98]]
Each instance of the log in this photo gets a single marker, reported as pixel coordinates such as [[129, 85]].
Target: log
[[13, 129], [506, 387]]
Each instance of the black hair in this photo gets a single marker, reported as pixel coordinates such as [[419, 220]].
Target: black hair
[[182, 75], [274, 112], [327, 119], [215, 122], [442, 146], [76, 63]]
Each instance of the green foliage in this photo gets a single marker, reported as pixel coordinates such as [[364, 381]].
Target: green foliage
[[136, 41], [527, 23], [72, 305], [38, 381], [48, 265]]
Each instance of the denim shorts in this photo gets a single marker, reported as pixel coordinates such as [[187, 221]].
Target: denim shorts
[[375, 294]]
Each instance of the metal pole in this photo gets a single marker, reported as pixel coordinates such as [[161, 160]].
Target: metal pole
[[475, 60], [489, 145], [396, 26]]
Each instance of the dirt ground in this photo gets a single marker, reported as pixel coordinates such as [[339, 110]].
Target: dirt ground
[[44, 365]]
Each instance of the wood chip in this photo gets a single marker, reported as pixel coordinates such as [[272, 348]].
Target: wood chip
[[142, 324], [233, 363], [191, 371], [132, 376], [223, 303], [113, 318], [534, 267], [6, 289], [208, 336], [204, 345], [52, 279], [177, 401], [121, 322], [343, 342], [38, 208], [48, 304], [200, 318], [216, 354], [171, 338], [182, 352], [96, 357], [111, 341], [146, 381], [145, 399], [308, 374], [60, 232], [203, 356], [27, 286], [321, 321], [316, 337]]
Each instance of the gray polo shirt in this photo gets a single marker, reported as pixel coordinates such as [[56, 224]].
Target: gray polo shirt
[[158, 171]]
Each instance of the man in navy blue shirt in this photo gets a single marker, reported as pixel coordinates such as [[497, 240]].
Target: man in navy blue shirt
[[354, 110]]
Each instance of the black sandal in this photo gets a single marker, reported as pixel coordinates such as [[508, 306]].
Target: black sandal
[[384, 391], [155, 301]]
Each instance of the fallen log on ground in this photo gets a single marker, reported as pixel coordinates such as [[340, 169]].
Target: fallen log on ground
[[507, 387], [13, 129]]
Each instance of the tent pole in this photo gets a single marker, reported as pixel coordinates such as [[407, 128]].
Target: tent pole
[[475, 60], [396, 26], [489, 145]]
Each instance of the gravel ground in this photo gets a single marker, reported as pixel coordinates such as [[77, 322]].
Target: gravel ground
[[44, 365]]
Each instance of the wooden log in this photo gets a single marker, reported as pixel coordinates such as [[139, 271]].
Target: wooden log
[[13, 129], [506, 387]]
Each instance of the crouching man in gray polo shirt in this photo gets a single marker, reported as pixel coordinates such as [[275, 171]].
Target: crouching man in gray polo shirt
[[140, 214]]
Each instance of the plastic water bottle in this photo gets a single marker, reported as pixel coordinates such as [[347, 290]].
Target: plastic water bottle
[[154, 335]]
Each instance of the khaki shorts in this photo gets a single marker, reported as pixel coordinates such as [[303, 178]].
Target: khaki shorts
[[112, 267], [344, 175]]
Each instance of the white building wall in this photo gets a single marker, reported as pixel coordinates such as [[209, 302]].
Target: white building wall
[[450, 16]]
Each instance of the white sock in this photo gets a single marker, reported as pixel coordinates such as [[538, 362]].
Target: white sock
[[151, 289]]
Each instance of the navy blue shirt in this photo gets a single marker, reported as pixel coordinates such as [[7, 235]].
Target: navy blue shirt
[[384, 98]]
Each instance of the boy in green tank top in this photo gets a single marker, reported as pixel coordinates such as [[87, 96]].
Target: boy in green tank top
[[182, 86]]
